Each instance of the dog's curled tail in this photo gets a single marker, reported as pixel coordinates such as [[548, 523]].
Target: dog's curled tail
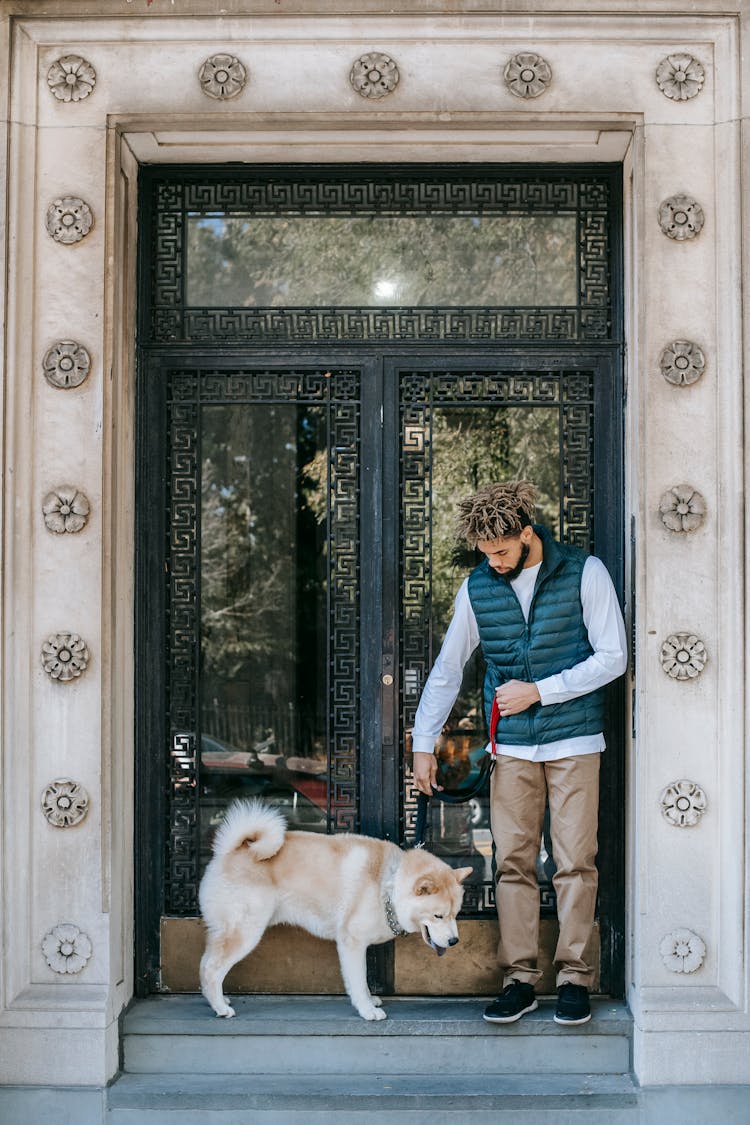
[[251, 825]]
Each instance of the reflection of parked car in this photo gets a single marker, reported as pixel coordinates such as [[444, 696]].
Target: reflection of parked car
[[479, 806], [479, 811], [216, 754], [297, 786], [228, 773]]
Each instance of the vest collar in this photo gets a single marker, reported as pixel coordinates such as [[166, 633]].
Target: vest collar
[[552, 559], [552, 556]]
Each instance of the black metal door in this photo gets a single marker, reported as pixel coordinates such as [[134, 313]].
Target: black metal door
[[462, 424], [295, 568]]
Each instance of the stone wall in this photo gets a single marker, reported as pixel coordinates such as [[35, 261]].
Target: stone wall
[[646, 84]]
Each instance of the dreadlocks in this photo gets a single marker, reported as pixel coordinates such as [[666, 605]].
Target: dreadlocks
[[495, 511]]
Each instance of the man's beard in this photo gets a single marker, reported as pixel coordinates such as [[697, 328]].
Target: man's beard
[[511, 574]]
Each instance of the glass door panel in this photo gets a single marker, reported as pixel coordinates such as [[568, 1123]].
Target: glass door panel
[[262, 696], [459, 432], [263, 599]]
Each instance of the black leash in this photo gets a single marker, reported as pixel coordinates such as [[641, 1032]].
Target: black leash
[[457, 797]]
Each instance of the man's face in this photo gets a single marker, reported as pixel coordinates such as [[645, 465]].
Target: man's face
[[507, 555]]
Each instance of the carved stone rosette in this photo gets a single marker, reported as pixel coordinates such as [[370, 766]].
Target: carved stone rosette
[[680, 77], [65, 803], [527, 75], [682, 362], [222, 77], [71, 78], [682, 951], [374, 75], [683, 803], [682, 508], [69, 219], [66, 364], [65, 509], [683, 656], [66, 949], [681, 217], [64, 656]]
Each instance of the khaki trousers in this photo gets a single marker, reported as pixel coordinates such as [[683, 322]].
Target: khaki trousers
[[517, 794]]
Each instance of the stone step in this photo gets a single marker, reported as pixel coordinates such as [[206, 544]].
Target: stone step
[[293, 1035], [437, 1098]]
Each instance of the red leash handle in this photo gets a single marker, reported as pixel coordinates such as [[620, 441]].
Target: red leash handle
[[494, 720]]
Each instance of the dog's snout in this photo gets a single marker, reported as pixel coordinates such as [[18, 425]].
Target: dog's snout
[[453, 941]]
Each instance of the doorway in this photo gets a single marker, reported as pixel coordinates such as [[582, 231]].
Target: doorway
[[300, 454]]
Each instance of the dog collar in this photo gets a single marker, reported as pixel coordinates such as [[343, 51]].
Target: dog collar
[[390, 914]]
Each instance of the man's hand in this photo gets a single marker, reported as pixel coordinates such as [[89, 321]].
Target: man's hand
[[515, 696], [424, 767]]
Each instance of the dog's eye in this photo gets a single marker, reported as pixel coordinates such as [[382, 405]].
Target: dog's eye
[[438, 915]]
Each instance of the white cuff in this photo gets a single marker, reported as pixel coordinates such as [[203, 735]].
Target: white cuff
[[547, 687]]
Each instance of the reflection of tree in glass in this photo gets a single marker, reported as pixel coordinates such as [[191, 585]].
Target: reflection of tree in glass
[[238, 608], [262, 564], [471, 448], [379, 260], [243, 551], [315, 485]]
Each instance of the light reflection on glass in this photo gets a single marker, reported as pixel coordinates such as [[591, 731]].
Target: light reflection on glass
[[385, 290]]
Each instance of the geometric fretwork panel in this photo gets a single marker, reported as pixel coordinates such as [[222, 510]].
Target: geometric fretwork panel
[[516, 412], [585, 197], [337, 392]]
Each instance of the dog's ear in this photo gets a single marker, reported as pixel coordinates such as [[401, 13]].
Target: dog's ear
[[425, 886], [462, 873]]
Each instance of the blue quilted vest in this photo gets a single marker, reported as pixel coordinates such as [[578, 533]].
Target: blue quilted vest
[[554, 639]]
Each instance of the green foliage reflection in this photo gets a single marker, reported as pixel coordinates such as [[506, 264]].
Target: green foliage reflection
[[471, 448], [379, 260]]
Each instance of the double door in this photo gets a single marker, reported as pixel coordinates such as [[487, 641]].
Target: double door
[[297, 569]]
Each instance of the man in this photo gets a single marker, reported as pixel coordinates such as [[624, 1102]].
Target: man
[[552, 634]]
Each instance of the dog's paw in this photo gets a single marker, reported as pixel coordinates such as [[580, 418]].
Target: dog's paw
[[226, 1012], [372, 1014], [377, 1001]]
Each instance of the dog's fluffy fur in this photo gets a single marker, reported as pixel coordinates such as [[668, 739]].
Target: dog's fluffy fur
[[335, 887]]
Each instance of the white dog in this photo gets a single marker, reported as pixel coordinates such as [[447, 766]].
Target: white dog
[[353, 890]]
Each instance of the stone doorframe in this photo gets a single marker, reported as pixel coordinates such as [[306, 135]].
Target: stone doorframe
[[68, 595]]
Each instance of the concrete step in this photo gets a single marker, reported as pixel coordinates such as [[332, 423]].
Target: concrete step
[[437, 1098], [291, 1035]]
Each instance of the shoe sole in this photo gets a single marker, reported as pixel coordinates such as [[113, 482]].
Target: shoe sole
[[571, 1023], [511, 1019]]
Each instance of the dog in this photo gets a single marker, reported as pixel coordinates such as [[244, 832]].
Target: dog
[[354, 890]]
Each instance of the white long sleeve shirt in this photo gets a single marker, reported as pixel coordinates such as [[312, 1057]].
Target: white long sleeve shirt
[[606, 632]]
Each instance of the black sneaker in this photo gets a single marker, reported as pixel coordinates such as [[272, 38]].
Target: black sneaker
[[514, 1001], [572, 1004]]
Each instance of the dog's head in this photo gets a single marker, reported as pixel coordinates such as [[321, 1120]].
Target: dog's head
[[428, 896]]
